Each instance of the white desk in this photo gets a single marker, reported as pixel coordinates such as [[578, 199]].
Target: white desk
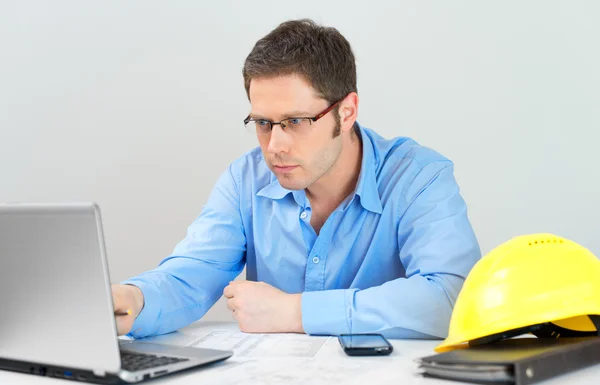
[[310, 360]]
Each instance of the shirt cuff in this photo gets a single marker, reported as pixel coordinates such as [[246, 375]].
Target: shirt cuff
[[327, 312], [145, 323]]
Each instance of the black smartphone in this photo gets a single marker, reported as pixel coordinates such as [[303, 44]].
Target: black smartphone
[[365, 344]]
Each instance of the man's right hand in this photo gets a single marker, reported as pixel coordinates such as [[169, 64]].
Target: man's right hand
[[126, 298]]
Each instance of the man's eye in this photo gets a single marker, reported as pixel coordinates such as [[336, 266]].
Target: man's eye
[[295, 121], [262, 122]]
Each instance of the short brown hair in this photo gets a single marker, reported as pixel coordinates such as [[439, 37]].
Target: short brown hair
[[320, 54]]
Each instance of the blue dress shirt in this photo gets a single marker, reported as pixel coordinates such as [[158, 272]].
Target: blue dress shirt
[[390, 259]]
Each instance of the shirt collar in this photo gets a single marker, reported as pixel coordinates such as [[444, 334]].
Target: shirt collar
[[366, 187], [273, 190]]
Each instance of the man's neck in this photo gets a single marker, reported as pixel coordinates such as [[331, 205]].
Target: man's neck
[[329, 191]]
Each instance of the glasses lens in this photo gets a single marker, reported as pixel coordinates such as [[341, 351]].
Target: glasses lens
[[296, 125], [259, 127]]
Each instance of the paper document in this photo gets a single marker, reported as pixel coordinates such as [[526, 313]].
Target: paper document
[[261, 345]]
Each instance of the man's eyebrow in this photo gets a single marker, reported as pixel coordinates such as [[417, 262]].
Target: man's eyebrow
[[257, 116], [292, 114], [297, 114]]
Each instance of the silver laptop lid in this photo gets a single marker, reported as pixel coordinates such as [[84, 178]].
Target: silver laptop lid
[[56, 306]]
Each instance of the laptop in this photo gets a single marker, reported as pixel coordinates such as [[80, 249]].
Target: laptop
[[57, 316]]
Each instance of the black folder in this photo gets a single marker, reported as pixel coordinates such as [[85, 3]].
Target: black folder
[[518, 361]]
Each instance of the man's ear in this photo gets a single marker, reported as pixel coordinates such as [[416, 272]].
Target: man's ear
[[348, 111]]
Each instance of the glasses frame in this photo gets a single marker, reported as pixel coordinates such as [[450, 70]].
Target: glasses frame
[[310, 119]]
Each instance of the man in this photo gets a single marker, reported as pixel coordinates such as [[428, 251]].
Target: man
[[341, 231]]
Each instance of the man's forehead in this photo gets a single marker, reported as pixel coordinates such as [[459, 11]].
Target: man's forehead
[[284, 86], [288, 95]]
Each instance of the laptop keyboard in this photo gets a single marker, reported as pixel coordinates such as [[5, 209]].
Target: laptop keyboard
[[133, 362]]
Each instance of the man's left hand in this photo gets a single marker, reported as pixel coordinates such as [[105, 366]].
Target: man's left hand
[[260, 308]]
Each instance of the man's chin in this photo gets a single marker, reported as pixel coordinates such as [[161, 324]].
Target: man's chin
[[290, 183]]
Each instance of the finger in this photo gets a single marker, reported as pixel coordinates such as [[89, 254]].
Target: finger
[[123, 310], [116, 296], [121, 301], [230, 304], [229, 291], [124, 324], [120, 326], [238, 282]]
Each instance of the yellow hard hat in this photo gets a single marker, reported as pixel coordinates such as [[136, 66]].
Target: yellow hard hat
[[541, 284]]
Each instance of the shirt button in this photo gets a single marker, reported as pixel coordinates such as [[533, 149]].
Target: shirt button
[[316, 260], [303, 215]]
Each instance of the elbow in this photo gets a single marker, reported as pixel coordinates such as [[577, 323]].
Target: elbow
[[449, 288]]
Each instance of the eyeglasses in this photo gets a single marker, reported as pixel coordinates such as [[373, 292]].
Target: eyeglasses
[[291, 125]]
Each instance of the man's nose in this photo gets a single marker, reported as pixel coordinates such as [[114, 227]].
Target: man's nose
[[279, 141]]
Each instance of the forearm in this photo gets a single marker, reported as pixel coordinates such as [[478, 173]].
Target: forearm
[[177, 293], [417, 307]]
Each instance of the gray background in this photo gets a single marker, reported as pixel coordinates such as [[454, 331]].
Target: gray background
[[137, 105]]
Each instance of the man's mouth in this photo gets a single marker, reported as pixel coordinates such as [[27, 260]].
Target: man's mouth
[[284, 168]]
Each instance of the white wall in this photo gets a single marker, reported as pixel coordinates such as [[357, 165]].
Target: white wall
[[138, 105]]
